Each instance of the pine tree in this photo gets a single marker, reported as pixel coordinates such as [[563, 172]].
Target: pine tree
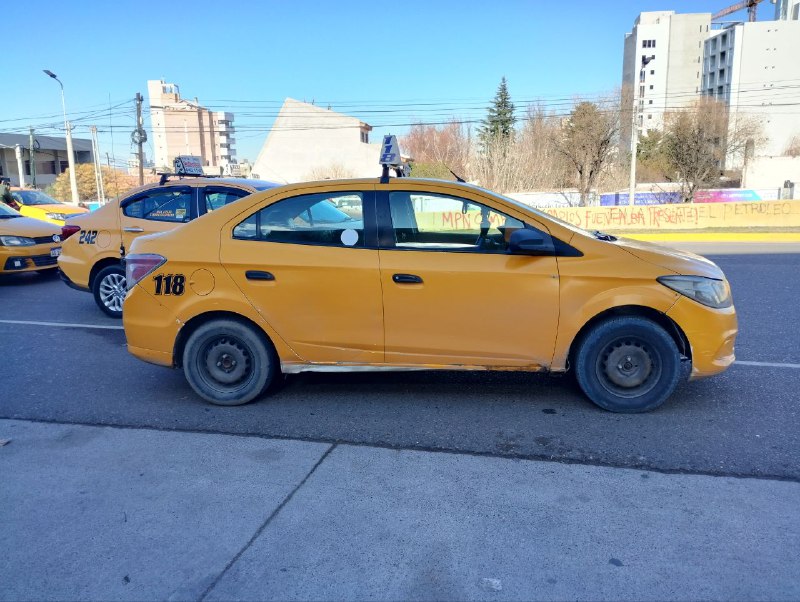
[[499, 122]]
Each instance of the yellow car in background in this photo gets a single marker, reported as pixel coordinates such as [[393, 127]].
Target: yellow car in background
[[406, 274], [36, 204], [95, 244], [27, 244]]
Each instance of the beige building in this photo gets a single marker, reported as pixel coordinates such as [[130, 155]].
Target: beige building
[[662, 66], [308, 142], [183, 127], [755, 69]]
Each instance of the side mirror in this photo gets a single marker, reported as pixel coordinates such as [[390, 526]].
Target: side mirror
[[530, 242]]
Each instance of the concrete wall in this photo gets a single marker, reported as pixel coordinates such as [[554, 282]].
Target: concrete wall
[[306, 138], [778, 214], [772, 172]]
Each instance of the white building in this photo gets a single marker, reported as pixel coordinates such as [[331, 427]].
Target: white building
[[307, 142], [755, 69], [662, 65], [182, 127]]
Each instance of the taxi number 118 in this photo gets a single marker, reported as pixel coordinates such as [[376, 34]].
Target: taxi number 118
[[170, 284]]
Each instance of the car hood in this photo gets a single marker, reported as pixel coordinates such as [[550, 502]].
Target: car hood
[[27, 226], [675, 260], [58, 208]]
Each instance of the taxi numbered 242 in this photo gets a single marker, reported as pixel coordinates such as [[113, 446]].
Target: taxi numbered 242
[[408, 274], [95, 244], [27, 244]]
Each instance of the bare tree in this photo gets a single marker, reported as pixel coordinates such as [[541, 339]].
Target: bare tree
[[332, 171], [699, 140], [793, 147], [587, 140], [445, 148]]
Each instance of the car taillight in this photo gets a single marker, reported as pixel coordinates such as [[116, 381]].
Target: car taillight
[[67, 231], [137, 266]]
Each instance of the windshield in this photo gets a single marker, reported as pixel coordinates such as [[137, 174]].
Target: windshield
[[7, 212], [34, 197]]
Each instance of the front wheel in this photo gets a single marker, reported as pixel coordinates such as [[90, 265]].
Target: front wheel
[[229, 363], [628, 364], [109, 290]]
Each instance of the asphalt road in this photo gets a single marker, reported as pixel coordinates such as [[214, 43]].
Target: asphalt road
[[744, 422]]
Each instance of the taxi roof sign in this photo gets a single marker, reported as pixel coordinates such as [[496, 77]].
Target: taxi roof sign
[[390, 152], [188, 165]]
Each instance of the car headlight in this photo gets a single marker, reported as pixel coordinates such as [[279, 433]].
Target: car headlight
[[16, 241], [711, 292], [58, 216]]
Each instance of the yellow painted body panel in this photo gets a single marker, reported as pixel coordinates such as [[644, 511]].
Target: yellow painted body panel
[[31, 228], [338, 307], [41, 211], [80, 257]]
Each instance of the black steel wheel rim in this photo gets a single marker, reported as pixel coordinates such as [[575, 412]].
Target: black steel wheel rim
[[628, 367]]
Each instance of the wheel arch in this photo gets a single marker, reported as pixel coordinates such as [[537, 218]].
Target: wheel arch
[[100, 265], [197, 321], [668, 324]]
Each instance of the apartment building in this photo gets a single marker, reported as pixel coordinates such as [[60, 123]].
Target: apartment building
[[183, 127], [755, 69], [662, 66]]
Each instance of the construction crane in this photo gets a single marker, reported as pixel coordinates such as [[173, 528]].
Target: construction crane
[[750, 5]]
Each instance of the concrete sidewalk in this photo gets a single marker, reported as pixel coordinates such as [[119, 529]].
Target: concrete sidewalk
[[110, 513]]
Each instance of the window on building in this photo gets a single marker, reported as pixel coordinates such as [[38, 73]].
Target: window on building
[[641, 75], [652, 71], [364, 137], [651, 86], [649, 116], [649, 102], [641, 90]]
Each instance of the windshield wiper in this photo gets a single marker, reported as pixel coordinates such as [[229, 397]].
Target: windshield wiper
[[603, 236]]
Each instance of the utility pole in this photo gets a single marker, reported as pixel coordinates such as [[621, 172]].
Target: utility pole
[[32, 156], [73, 181], [139, 136], [634, 130], [98, 172], [20, 165]]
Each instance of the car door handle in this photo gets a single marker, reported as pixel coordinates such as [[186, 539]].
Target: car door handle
[[259, 275], [407, 279], [134, 229]]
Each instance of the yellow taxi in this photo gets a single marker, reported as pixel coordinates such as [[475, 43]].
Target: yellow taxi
[[95, 244], [37, 204], [407, 274], [27, 244]]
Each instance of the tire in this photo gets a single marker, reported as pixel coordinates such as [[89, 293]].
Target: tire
[[109, 290], [628, 364], [251, 364]]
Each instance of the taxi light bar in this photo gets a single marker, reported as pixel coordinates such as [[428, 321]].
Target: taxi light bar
[[67, 231], [137, 266]]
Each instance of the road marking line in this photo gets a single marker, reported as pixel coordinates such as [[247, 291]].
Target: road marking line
[[767, 364], [62, 324]]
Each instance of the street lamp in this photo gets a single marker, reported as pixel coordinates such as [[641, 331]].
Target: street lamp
[[73, 182]]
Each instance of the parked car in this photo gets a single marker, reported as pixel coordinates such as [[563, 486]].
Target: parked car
[[408, 274], [27, 244], [96, 243], [37, 204]]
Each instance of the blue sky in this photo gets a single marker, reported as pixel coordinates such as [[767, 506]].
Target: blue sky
[[389, 64]]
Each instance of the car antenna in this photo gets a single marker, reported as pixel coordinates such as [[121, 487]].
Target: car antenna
[[456, 176]]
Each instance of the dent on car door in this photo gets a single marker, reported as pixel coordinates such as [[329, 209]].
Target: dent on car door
[[452, 293], [306, 265], [156, 211]]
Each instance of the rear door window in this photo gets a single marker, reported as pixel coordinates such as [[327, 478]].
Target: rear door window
[[216, 197], [166, 205]]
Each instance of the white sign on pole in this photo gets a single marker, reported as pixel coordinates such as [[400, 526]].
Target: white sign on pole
[[188, 165]]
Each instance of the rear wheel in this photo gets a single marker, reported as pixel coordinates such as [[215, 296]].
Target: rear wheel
[[229, 363], [109, 290], [628, 364]]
